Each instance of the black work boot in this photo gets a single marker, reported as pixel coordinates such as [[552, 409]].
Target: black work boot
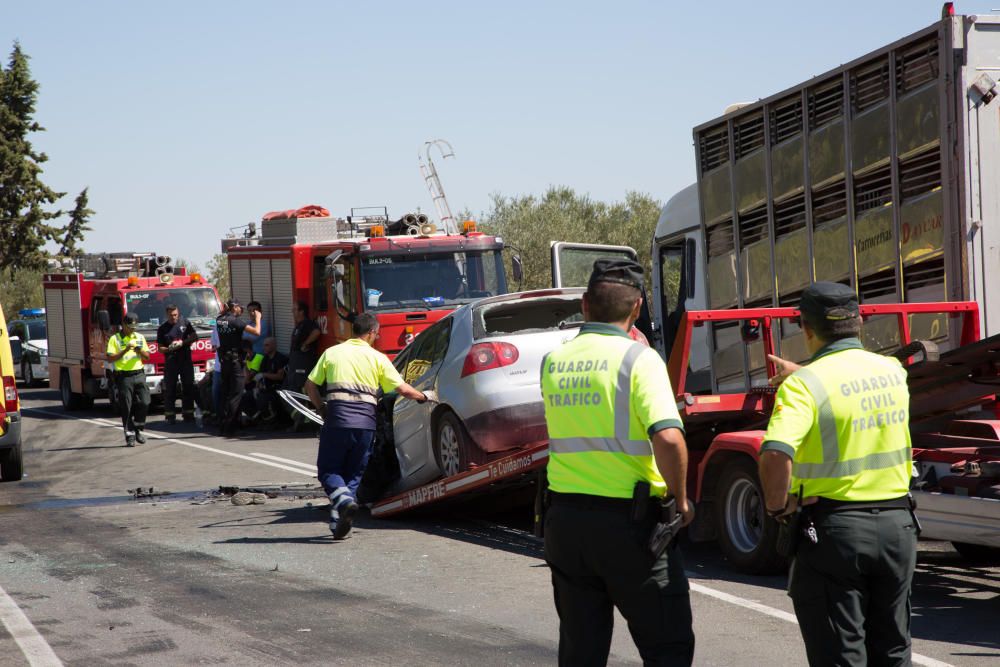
[[347, 512], [139, 437], [130, 440]]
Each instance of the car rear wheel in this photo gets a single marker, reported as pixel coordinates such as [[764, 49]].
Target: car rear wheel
[[451, 445], [70, 400], [27, 374], [746, 534], [11, 467]]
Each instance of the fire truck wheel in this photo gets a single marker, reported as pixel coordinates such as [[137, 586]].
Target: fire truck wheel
[[451, 445], [70, 400], [747, 535], [978, 553], [113, 397], [11, 466]]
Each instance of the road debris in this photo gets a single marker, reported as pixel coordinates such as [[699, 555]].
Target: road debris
[[247, 498]]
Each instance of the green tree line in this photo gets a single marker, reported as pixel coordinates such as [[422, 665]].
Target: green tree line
[[28, 221]]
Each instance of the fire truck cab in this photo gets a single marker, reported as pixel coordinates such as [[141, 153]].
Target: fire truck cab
[[405, 271], [84, 307]]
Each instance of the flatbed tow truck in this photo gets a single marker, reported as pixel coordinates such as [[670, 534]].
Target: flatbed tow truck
[[956, 460]]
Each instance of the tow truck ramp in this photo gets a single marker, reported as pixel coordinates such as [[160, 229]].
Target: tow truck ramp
[[510, 470]]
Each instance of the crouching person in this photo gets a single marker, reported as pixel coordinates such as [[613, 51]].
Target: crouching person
[[352, 376]]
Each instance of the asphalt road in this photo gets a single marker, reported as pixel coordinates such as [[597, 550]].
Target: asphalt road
[[93, 576]]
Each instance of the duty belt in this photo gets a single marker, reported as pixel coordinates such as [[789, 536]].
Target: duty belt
[[589, 502], [828, 505], [138, 371]]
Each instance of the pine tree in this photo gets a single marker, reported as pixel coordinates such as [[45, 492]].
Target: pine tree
[[24, 222], [77, 226]]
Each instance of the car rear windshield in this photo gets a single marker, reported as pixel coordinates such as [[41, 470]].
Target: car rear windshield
[[526, 316]]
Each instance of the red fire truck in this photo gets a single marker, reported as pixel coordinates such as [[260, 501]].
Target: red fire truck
[[406, 271], [85, 304]]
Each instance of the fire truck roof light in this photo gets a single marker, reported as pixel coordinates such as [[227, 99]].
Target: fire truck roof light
[[377, 231], [948, 10], [468, 226], [133, 281], [195, 277]]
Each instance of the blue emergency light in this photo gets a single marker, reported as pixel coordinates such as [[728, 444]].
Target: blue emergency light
[[31, 312]]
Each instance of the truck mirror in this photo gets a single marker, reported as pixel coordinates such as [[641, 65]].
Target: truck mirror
[[104, 320], [334, 270], [517, 268]]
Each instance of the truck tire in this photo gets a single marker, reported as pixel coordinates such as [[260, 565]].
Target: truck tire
[[11, 466], [70, 400], [747, 535], [451, 445], [116, 406], [977, 553]]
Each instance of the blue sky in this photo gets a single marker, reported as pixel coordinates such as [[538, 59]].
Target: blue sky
[[186, 119]]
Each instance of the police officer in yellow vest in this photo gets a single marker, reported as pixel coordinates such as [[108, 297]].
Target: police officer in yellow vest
[[128, 351], [839, 440], [616, 447], [353, 375]]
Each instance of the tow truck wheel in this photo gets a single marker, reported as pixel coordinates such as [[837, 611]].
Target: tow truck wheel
[[746, 534], [70, 400], [11, 466], [450, 445], [978, 553]]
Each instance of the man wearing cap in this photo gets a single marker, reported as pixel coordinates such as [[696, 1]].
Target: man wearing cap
[[836, 456], [616, 448], [128, 351], [231, 327]]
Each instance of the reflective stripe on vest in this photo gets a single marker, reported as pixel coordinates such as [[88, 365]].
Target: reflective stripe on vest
[[620, 443], [832, 466], [359, 390]]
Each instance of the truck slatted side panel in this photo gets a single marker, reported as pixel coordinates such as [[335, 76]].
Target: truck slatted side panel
[[260, 285], [75, 336], [239, 279], [56, 323], [281, 306]]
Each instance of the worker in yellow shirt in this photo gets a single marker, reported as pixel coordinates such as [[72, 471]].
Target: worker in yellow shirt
[[835, 469], [352, 376], [128, 351], [616, 454]]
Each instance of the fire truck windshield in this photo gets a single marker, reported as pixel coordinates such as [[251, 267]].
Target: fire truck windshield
[[197, 304], [431, 279]]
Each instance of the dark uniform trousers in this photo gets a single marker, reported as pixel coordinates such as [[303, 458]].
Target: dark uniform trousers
[[133, 399], [851, 590], [179, 364], [233, 381], [599, 560]]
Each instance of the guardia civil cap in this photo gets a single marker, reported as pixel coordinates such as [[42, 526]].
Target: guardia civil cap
[[622, 271], [131, 318], [829, 301]]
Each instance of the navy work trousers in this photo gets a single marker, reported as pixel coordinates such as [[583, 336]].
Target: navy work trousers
[[342, 459]]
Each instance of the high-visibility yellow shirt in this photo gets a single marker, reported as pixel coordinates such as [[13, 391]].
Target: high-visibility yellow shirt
[[130, 361], [605, 395], [351, 376], [844, 421]]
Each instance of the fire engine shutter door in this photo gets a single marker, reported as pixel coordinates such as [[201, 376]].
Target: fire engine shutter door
[[260, 285], [281, 312], [66, 333], [239, 277]]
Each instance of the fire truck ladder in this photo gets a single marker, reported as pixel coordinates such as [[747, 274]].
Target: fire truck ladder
[[429, 172]]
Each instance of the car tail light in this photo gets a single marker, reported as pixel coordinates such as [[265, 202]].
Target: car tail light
[[484, 356], [9, 394]]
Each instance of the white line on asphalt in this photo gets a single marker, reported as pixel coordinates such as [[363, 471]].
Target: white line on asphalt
[[308, 466], [33, 645], [106, 423], [918, 659]]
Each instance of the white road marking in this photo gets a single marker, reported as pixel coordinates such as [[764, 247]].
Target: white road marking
[[308, 466], [33, 645], [107, 423], [918, 659]]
